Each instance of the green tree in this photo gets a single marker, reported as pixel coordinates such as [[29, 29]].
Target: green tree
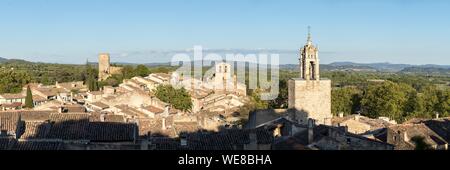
[[91, 78], [142, 70], [256, 102], [178, 98], [436, 101], [345, 100], [282, 100], [386, 99], [128, 72], [29, 99], [12, 81]]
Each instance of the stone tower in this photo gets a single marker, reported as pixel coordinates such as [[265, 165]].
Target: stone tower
[[223, 77], [104, 66], [309, 95]]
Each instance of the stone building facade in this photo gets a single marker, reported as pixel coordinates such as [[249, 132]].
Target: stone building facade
[[309, 95]]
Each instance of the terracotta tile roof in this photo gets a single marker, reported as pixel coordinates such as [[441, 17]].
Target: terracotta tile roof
[[74, 108], [109, 131], [35, 130], [92, 131], [6, 143], [9, 122], [422, 130], [164, 143], [154, 109], [109, 117], [164, 75], [63, 117], [289, 144], [115, 118], [29, 115], [154, 126], [72, 85], [35, 115], [12, 105], [439, 126], [32, 145], [186, 127], [100, 105], [130, 111], [227, 139], [12, 96], [37, 98], [49, 91], [374, 123]]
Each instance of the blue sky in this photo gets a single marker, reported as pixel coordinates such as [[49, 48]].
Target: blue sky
[[63, 31]]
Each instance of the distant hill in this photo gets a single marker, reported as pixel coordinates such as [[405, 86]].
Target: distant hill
[[336, 66], [3, 59], [427, 70], [387, 67]]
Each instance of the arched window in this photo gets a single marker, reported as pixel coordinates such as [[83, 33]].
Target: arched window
[[312, 68]]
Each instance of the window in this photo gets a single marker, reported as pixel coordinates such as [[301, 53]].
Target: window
[[312, 70]]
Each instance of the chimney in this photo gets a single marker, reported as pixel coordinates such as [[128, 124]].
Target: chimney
[[164, 124], [311, 125], [341, 114], [437, 115]]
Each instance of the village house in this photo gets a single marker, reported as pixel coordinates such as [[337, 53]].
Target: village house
[[406, 136], [151, 111], [150, 85], [9, 98], [10, 125], [98, 106], [94, 96], [160, 78], [358, 124], [109, 90]]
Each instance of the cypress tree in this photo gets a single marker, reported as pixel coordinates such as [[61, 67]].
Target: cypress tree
[[29, 99]]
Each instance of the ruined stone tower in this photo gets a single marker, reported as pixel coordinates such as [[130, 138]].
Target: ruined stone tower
[[309, 95], [103, 66], [105, 70]]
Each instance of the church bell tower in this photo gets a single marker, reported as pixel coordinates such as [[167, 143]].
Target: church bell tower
[[310, 96], [309, 60]]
